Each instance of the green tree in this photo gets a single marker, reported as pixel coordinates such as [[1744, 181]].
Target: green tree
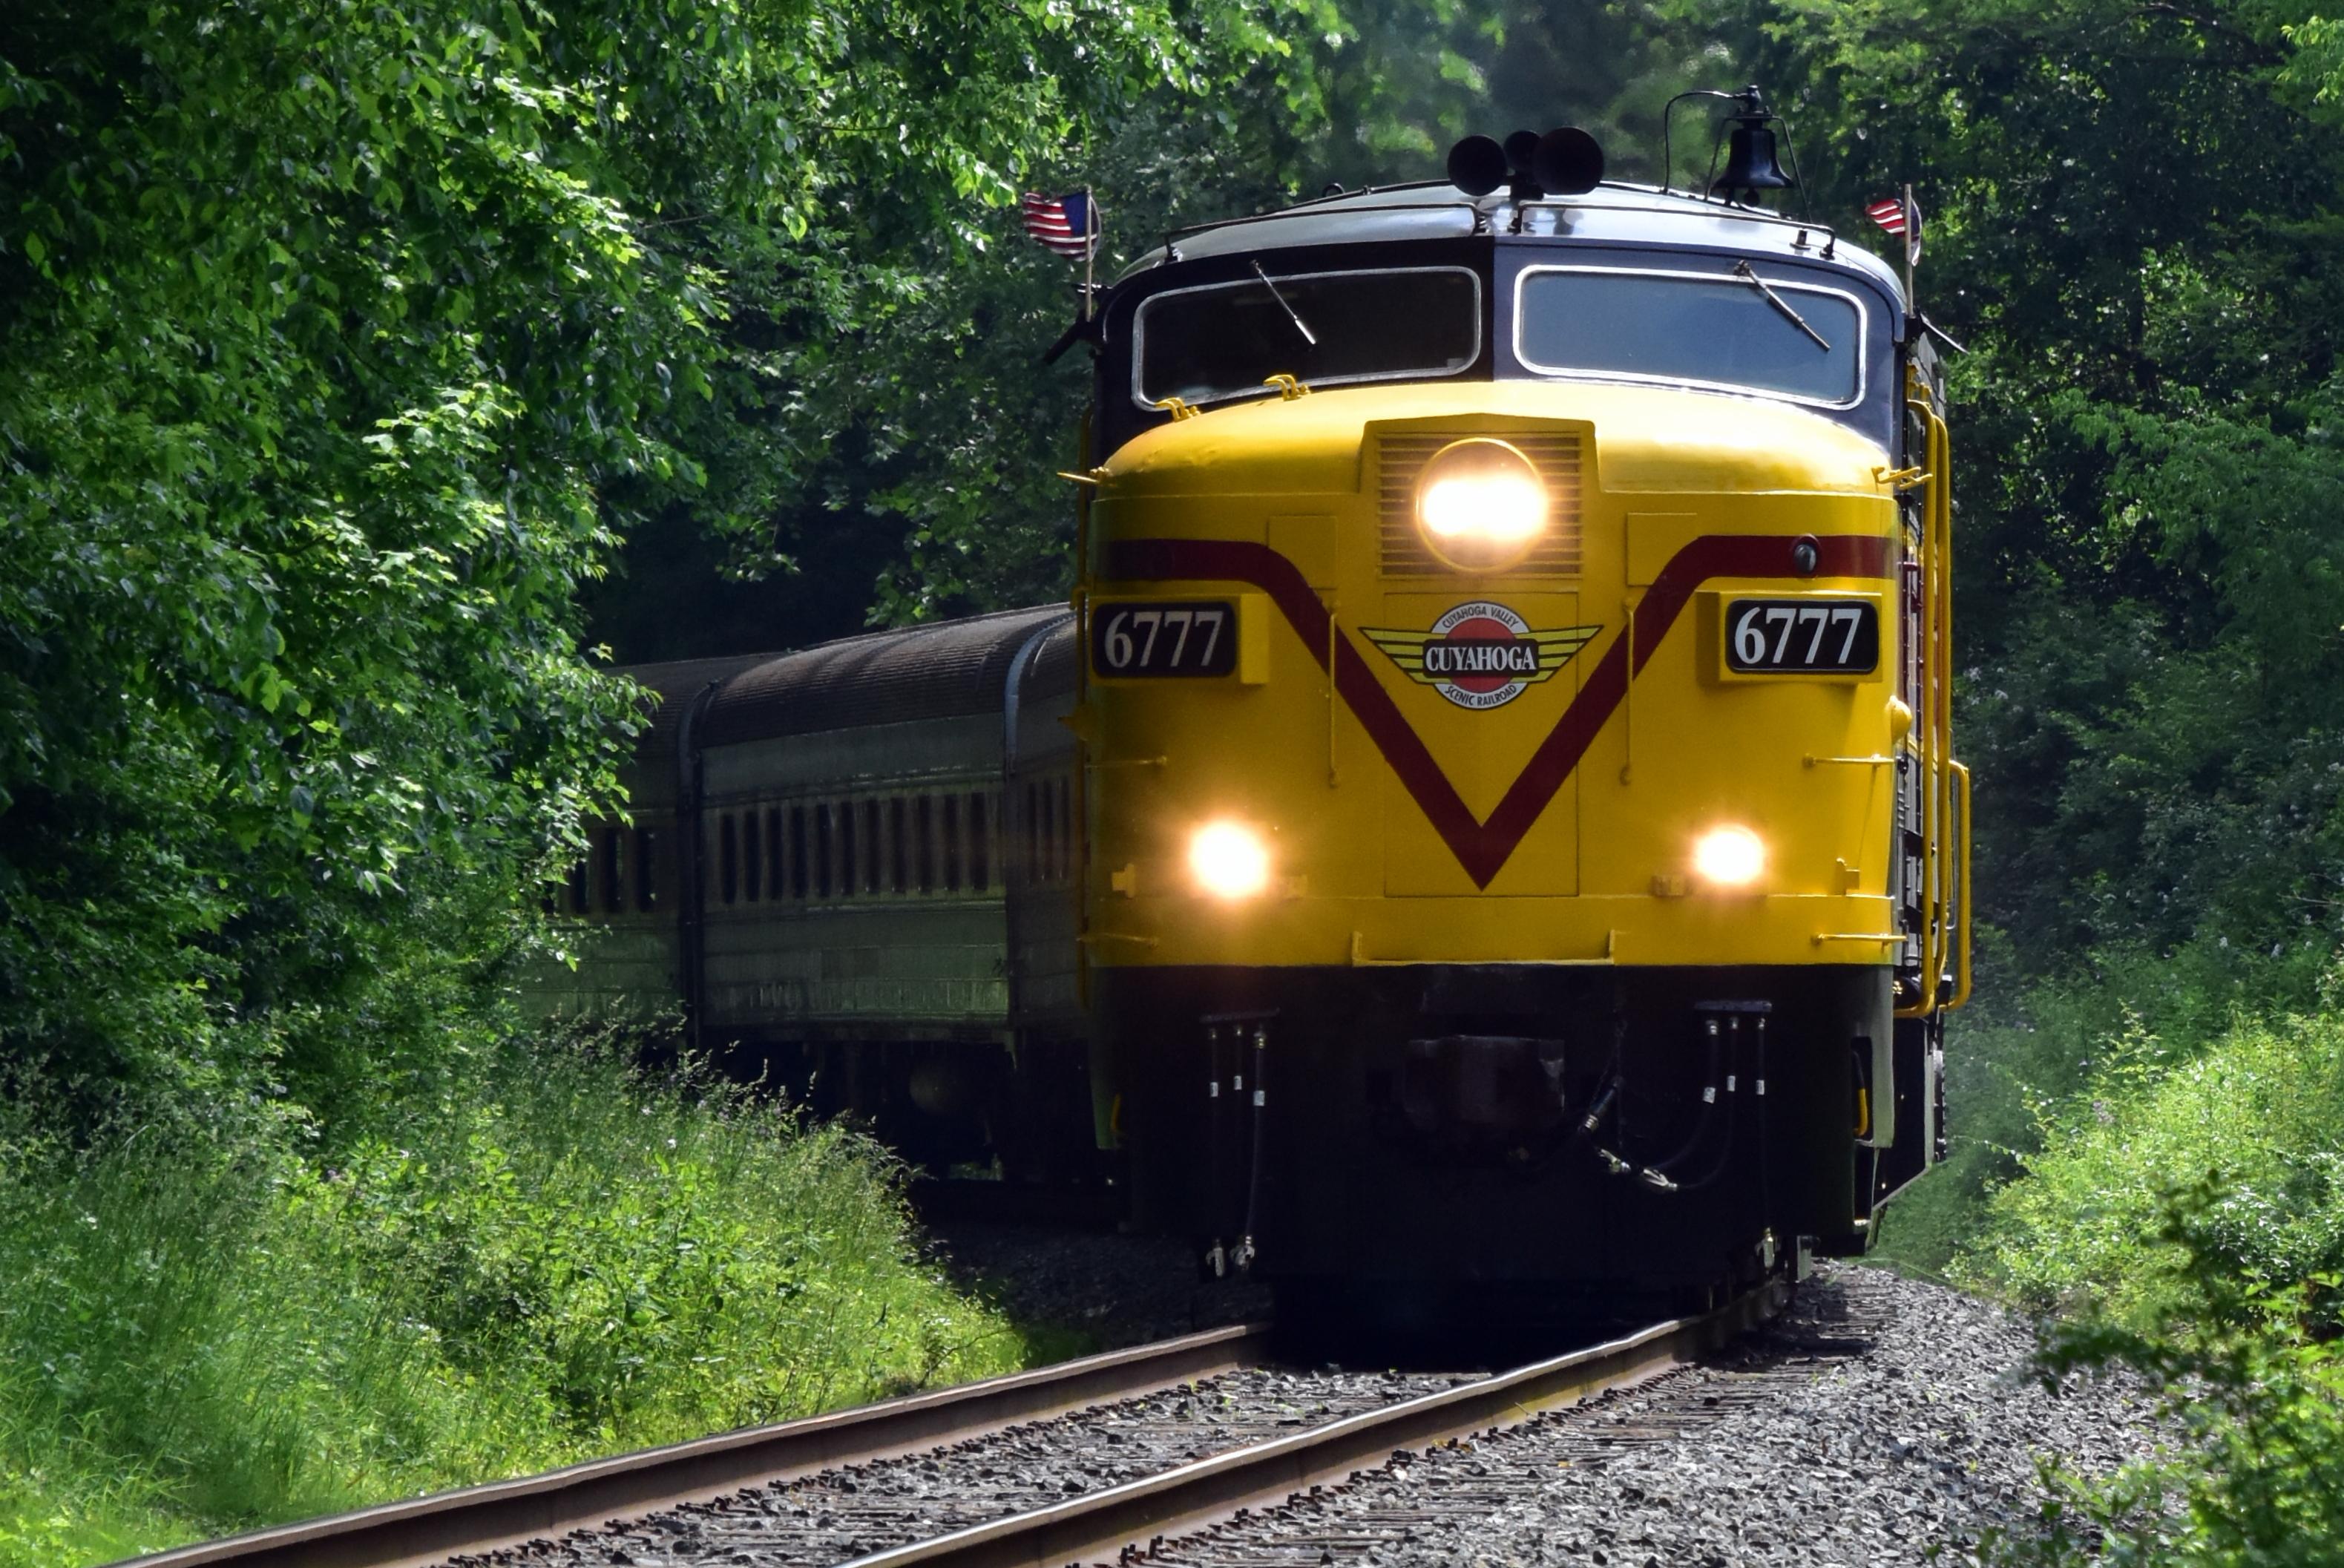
[[922, 480], [2251, 1382], [2134, 220], [338, 339]]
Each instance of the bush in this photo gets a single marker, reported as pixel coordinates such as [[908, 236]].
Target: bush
[[2250, 1380], [2261, 1111], [2032, 1045], [209, 1326], [2185, 1214]]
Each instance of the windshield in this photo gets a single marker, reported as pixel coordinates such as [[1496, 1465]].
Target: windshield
[[1225, 339], [1791, 338]]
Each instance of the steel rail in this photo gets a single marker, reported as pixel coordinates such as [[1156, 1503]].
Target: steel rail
[[476, 1519], [1104, 1525]]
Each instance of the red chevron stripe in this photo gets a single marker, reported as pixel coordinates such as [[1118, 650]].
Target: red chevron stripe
[[1482, 848]]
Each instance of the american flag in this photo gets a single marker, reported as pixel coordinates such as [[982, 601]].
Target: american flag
[[1895, 214], [1068, 225]]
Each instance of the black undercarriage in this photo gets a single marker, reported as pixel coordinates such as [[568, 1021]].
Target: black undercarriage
[[1443, 1142], [1505, 1133]]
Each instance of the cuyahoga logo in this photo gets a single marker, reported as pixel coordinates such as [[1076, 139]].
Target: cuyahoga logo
[[1480, 654]]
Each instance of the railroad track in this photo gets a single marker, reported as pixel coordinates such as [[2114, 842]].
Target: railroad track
[[1441, 1497], [500, 1514], [1202, 1433]]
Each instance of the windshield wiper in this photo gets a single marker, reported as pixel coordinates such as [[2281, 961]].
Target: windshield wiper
[[1742, 270], [1307, 334]]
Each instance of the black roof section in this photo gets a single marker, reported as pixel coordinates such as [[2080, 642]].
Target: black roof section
[[946, 669]]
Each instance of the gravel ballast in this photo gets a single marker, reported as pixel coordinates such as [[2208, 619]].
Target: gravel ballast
[[857, 1508], [1880, 1419], [1114, 1289]]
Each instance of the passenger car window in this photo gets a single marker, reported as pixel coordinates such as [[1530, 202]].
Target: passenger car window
[[610, 859], [1033, 867], [849, 870], [822, 851], [1064, 850]]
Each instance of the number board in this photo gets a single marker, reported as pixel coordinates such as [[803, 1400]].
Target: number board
[[1164, 637], [1803, 636]]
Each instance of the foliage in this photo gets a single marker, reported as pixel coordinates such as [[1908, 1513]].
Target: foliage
[[2132, 220], [1518, 64], [2260, 1110], [2032, 1047], [930, 450], [888, 442], [205, 1326], [2186, 1212], [336, 344], [2250, 1382]]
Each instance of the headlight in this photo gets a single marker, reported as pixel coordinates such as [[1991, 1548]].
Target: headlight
[[1480, 504], [1228, 861], [1729, 857]]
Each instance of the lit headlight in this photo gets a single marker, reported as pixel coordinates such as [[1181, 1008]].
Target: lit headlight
[[1729, 857], [1228, 861], [1480, 504]]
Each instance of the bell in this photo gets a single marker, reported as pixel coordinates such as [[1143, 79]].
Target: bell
[[1750, 162]]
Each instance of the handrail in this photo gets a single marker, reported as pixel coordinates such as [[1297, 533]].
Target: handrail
[[1936, 729], [1953, 875], [1962, 906], [1924, 1000]]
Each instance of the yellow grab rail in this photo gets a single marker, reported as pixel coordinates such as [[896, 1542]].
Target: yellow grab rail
[[1936, 731], [1962, 901]]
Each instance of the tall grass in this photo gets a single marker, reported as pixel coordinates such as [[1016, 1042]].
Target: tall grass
[[206, 1325]]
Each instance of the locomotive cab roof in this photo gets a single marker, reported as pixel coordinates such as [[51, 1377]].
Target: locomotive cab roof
[[1611, 215]]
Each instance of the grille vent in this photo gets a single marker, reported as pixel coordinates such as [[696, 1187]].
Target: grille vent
[[1402, 456]]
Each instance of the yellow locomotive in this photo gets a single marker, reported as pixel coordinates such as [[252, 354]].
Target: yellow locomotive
[[1524, 842], [1488, 823]]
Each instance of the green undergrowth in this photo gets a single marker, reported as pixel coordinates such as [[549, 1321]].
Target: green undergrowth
[[2257, 1118], [2175, 1209], [2247, 1373], [210, 1324], [2034, 1049]]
